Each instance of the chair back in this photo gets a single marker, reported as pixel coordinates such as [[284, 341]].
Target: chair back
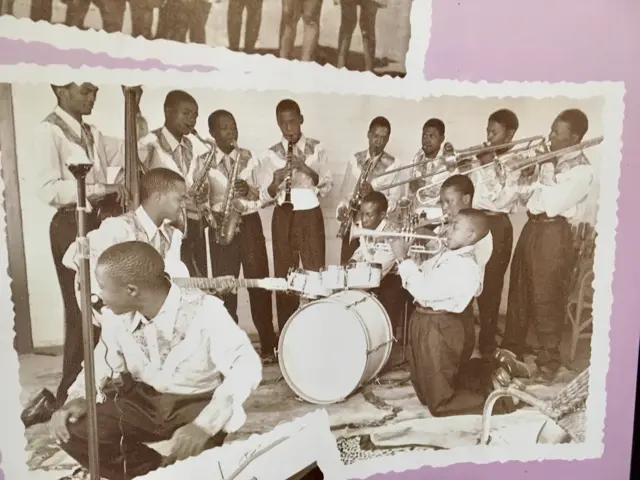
[[584, 241]]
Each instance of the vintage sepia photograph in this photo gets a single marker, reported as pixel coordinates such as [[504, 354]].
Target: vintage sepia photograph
[[196, 263], [357, 35]]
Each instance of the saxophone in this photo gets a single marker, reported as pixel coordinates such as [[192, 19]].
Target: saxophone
[[353, 207], [230, 218], [204, 209]]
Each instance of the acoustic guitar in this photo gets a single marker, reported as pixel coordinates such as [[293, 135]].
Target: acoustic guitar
[[184, 281]]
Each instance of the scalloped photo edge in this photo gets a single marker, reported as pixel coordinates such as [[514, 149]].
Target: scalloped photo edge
[[194, 56], [12, 446]]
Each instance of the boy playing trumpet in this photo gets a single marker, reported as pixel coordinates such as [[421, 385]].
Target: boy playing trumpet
[[441, 333]]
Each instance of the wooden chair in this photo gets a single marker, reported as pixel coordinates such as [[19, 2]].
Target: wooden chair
[[567, 409], [579, 306]]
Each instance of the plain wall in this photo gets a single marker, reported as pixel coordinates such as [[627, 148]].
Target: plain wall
[[340, 122]]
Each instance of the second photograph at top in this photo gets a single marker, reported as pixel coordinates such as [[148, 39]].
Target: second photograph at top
[[358, 35]]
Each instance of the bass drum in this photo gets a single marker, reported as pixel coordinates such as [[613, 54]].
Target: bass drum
[[331, 347]]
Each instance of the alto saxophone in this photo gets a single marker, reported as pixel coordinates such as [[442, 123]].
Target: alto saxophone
[[353, 207], [194, 192], [230, 218]]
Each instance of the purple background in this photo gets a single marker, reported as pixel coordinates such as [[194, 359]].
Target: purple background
[[527, 40]]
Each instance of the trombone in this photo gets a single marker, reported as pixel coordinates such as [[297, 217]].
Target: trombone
[[514, 162], [384, 237], [453, 161]]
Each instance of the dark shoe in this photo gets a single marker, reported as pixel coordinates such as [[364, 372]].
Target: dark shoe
[[546, 374], [39, 409], [512, 364], [79, 473]]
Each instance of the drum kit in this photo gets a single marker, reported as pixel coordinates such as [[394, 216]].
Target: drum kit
[[334, 278], [339, 340]]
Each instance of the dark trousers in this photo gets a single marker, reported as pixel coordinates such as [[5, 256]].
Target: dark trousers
[[63, 231], [248, 249], [177, 19], [393, 297], [348, 248], [252, 28], [112, 13], [440, 343], [194, 249], [489, 300], [141, 415], [41, 10], [542, 262], [297, 236]]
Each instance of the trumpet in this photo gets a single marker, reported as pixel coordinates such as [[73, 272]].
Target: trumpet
[[384, 237], [453, 160]]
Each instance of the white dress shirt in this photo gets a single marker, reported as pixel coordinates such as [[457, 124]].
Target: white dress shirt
[[304, 194], [125, 228], [482, 249], [192, 346], [366, 253], [560, 190], [383, 162], [446, 282], [61, 140], [432, 182]]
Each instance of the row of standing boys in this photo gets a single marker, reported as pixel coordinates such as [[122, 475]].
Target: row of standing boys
[[441, 330], [179, 20]]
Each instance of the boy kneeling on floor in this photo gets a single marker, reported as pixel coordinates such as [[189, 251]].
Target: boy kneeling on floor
[[441, 332]]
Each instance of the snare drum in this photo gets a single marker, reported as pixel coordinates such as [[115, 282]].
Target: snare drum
[[363, 275], [307, 284], [334, 277], [332, 346]]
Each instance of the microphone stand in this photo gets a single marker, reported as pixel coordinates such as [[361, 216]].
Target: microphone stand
[[80, 172]]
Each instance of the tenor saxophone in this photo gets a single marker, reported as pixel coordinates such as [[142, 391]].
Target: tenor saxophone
[[230, 221], [353, 207]]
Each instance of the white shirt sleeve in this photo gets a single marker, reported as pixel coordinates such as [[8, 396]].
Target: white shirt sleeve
[[568, 189], [234, 356]]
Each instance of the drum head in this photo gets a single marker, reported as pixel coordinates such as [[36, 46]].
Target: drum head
[[323, 352]]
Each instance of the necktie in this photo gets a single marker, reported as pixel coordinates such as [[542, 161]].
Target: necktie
[[88, 143], [227, 165], [160, 243]]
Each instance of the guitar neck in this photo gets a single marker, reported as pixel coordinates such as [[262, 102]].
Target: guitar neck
[[215, 283]]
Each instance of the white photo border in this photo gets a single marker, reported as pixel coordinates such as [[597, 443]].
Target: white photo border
[[325, 452], [12, 446], [177, 55]]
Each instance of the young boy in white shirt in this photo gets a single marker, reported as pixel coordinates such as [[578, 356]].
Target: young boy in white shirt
[[441, 333]]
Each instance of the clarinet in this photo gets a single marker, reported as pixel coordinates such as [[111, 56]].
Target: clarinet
[[80, 172], [287, 185]]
